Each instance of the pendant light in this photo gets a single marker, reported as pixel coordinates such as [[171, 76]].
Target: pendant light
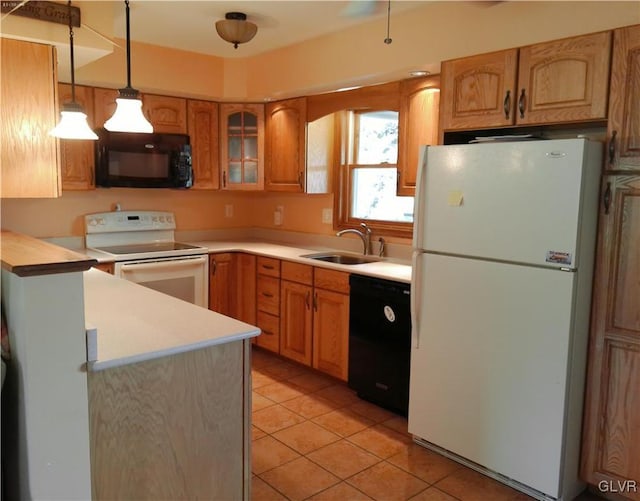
[[73, 120], [128, 116]]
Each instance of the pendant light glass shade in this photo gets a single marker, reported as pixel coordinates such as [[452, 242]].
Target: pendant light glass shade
[[73, 120], [128, 116], [235, 28]]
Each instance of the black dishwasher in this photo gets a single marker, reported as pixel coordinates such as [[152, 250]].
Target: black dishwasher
[[380, 341]]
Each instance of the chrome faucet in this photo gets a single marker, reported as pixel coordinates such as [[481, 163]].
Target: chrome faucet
[[365, 236]]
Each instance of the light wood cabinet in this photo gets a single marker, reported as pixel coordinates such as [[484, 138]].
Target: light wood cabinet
[[30, 163], [418, 125], [314, 324], [202, 126], [268, 303], [624, 101], [296, 319], [167, 114], [77, 158], [104, 105], [557, 82], [285, 145], [246, 288], [242, 146], [222, 290], [611, 435]]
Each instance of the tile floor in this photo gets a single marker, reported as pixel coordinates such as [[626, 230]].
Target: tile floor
[[313, 438]]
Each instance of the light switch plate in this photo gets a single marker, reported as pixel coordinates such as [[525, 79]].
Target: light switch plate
[[228, 210], [327, 216]]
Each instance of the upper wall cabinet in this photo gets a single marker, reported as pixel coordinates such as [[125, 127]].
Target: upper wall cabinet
[[419, 103], [624, 101], [202, 120], [77, 157], [285, 145], [560, 81], [242, 146], [167, 114], [30, 162]]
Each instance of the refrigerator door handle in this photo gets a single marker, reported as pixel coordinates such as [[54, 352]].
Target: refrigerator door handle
[[418, 208], [416, 288]]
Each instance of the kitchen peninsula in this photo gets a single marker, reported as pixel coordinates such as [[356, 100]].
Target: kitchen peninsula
[[161, 413]]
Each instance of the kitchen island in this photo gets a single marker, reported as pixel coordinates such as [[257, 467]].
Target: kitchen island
[[158, 410]]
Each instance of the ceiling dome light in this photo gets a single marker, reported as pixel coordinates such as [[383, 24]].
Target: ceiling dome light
[[235, 28], [128, 116], [73, 122]]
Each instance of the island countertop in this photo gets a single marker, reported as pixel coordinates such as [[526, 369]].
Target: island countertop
[[135, 323]]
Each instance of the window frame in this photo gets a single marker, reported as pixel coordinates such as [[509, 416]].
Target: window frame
[[345, 153]]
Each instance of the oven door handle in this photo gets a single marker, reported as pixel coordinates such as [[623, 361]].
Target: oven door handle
[[164, 263]]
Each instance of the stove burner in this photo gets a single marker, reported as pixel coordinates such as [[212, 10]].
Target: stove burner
[[145, 248]]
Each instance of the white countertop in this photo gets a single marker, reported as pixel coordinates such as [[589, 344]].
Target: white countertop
[[135, 323], [386, 269]]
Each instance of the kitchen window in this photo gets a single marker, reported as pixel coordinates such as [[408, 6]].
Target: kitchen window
[[369, 174]]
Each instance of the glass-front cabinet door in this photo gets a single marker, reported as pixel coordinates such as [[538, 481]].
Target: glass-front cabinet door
[[242, 146]]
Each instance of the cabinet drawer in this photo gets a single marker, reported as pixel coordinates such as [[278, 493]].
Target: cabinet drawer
[[268, 266], [337, 281], [270, 337], [269, 295], [296, 272]]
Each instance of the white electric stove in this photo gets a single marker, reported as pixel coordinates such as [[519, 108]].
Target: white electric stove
[[142, 245]]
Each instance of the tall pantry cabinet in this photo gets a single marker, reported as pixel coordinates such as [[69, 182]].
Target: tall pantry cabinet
[[611, 435]]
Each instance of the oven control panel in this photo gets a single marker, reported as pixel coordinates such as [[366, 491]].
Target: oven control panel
[[117, 221]]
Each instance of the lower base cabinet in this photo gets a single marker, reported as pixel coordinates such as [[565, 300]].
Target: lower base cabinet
[[232, 285]]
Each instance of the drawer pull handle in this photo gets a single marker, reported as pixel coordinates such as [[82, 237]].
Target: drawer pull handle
[[521, 103], [268, 333], [507, 104], [267, 294], [267, 267]]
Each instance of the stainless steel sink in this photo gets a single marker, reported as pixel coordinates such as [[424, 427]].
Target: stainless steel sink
[[339, 258]]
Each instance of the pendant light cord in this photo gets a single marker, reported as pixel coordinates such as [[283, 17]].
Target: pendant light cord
[[126, 2], [388, 40], [73, 77]]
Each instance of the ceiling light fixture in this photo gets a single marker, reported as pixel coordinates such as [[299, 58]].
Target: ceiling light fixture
[[235, 28], [128, 116], [73, 120]]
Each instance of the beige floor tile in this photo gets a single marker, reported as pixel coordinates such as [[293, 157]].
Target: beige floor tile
[[306, 437], [344, 422], [343, 459], [469, 485], [299, 479], [397, 423], [283, 370], [259, 379], [257, 433], [423, 463], [341, 492], [275, 418], [309, 406], [432, 494], [339, 394], [260, 402], [279, 391], [312, 381], [372, 411], [262, 491], [381, 441], [385, 482], [267, 453]]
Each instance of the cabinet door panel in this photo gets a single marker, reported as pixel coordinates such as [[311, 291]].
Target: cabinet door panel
[[479, 91], [269, 339], [246, 288], [285, 145], [104, 105], [268, 293], [296, 322], [331, 333], [612, 409], [77, 158], [222, 277], [202, 117], [624, 98], [30, 161], [166, 114], [564, 80]]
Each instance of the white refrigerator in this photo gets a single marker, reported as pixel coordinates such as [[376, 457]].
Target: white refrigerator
[[504, 240]]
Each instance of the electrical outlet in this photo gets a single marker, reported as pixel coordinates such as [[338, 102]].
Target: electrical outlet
[[228, 210], [327, 216]]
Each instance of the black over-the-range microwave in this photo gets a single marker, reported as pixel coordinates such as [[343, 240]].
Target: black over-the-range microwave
[[139, 160]]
